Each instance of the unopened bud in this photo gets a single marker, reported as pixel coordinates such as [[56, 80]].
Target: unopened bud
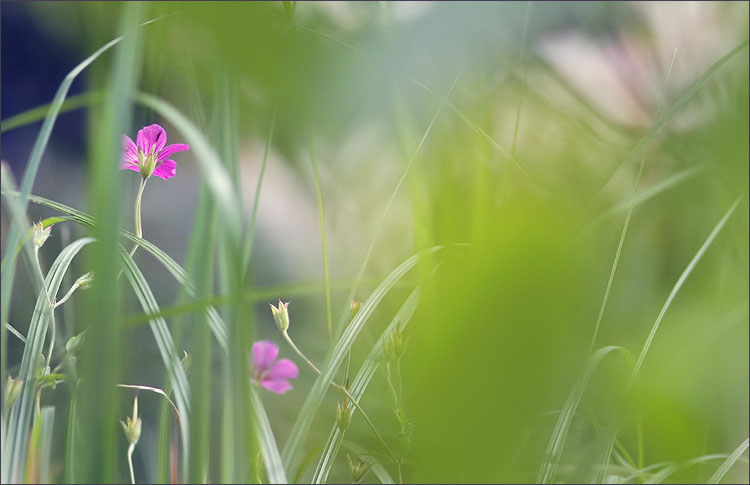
[[12, 390], [75, 343], [85, 281], [354, 309], [281, 315], [343, 416], [132, 428], [395, 345], [358, 468], [41, 234]]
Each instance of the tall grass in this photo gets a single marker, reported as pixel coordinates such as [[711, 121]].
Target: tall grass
[[458, 205]]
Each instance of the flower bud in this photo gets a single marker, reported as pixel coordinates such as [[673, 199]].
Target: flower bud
[[85, 281], [75, 343], [395, 345], [343, 416], [133, 427], [281, 315], [41, 234], [354, 309], [12, 390], [358, 468]]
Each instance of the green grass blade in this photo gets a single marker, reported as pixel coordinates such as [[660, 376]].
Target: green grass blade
[[254, 216], [165, 344], [564, 420], [218, 327], [360, 383], [729, 462], [647, 345], [38, 113], [264, 434], [40, 145], [295, 442], [20, 414], [689, 269], [323, 239]]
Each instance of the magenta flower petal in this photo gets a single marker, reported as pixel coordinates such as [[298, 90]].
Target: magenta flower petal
[[264, 355], [131, 150], [279, 386], [168, 150], [166, 170], [151, 139], [150, 154], [283, 369]]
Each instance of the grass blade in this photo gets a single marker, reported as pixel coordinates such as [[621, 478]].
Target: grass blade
[[360, 383], [271, 455], [19, 420], [564, 420], [730, 461], [647, 345], [295, 442], [164, 342]]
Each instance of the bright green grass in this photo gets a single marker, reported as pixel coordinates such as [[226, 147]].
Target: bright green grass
[[515, 246]]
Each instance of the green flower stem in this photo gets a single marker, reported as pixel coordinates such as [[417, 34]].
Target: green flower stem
[[130, 462], [78, 283], [348, 395], [138, 226]]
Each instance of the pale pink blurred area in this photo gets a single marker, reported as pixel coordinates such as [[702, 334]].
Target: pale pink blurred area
[[622, 75]]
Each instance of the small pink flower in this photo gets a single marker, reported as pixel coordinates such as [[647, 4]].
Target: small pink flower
[[150, 155], [270, 373]]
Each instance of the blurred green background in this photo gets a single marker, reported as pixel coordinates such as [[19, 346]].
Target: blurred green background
[[521, 129]]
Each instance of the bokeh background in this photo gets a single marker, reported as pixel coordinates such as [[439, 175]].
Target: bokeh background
[[535, 116]]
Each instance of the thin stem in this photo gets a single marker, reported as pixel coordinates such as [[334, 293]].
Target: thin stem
[[323, 241], [78, 283], [130, 462], [346, 392], [138, 226], [390, 383]]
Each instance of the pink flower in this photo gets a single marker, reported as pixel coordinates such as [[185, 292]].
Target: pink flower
[[270, 373], [150, 155]]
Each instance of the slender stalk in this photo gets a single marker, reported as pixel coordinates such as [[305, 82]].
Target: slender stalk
[[51, 306], [138, 226], [346, 392], [130, 462], [323, 241]]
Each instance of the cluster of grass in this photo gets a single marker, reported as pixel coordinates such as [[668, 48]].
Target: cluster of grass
[[569, 303]]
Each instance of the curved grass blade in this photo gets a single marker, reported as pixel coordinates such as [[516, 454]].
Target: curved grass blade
[[218, 327], [360, 383], [164, 342], [676, 289], [32, 166], [19, 419], [271, 456], [560, 432], [36, 114], [647, 345], [295, 442], [724, 468]]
